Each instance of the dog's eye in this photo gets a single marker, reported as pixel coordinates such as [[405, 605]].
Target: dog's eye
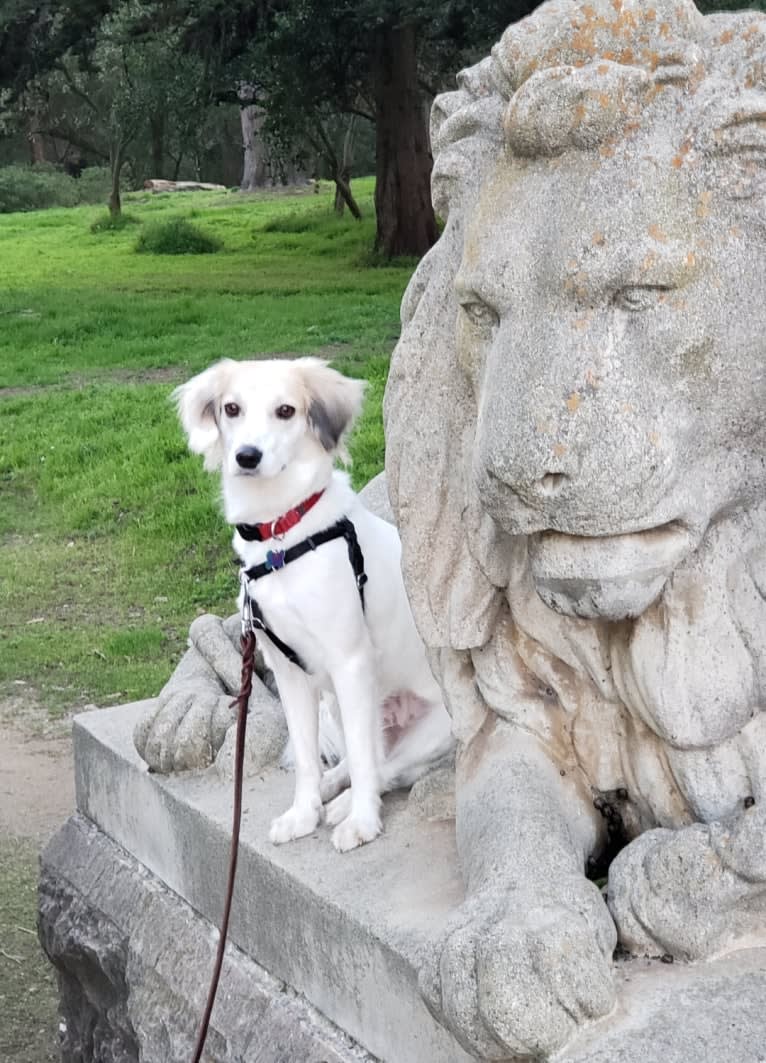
[[231, 409], [284, 412]]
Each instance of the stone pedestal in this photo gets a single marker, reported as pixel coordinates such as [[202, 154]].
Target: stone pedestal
[[324, 948]]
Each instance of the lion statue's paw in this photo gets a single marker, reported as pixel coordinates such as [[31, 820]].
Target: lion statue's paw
[[516, 972], [691, 893], [184, 730]]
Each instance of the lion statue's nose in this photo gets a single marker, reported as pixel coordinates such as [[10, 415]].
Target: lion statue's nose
[[551, 483]]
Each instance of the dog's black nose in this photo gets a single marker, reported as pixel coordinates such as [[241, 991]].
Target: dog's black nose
[[248, 457]]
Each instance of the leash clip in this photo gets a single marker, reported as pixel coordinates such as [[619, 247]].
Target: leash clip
[[247, 608]]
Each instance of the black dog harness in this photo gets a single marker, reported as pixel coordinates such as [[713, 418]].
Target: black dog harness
[[277, 559]]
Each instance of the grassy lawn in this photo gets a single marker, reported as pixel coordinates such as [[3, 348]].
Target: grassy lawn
[[110, 535], [27, 997]]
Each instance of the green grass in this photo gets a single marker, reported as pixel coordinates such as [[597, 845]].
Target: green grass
[[111, 540], [28, 1031]]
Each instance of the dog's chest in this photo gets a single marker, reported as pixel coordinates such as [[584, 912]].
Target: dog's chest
[[312, 605]]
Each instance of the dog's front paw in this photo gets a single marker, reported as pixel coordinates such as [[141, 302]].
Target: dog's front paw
[[297, 822], [356, 830], [515, 974]]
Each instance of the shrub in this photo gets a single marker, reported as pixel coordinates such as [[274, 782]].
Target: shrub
[[94, 185], [37, 187], [32, 188], [176, 237], [113, 223]]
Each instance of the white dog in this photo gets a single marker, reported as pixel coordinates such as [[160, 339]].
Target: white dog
[[274, 429]]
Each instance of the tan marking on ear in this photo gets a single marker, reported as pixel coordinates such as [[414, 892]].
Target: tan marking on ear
[[196, 403]]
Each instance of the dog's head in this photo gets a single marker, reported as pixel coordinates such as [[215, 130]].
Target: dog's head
[[258, 418]]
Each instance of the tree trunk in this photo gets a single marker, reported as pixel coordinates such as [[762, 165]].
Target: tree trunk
[[254, 152], [157, 129], [406, 224], [35, 140], [115, 200], [345, 172], [344, 193]]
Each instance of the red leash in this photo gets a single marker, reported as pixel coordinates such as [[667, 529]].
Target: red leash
[[241, 701]]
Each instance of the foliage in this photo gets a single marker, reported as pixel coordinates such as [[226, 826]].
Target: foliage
[[176, 237], [709, 7], [34, 188], [109, 528], [24, 188]]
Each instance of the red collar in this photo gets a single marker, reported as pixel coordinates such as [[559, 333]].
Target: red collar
[[274, 529]]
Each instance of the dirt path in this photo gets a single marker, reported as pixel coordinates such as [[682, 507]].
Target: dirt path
[[36, 796], [36, 784]]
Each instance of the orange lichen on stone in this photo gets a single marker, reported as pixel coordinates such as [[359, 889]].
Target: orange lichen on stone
[[691, 260], [654, 438], [703, 207], [665, 30], [649, 262], [574, 401], [657, 234], [559, 450], [650, 15], [598, 239], [603, 68], [726, 37]]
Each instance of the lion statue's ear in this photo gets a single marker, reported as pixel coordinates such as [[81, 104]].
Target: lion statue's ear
[[453, 578], [430, 416]]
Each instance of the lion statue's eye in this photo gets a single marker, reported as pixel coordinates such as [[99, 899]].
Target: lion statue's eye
[[636, 297], [480, 314], [231, 409]]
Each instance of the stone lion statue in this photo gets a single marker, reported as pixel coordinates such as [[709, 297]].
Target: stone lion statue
[[582, 371]]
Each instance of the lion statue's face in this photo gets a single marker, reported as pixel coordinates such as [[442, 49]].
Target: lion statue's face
[[613, 324], [582, 367]]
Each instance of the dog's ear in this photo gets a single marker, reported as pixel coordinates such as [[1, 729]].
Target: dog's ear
[[333, 401], [197, 404]]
